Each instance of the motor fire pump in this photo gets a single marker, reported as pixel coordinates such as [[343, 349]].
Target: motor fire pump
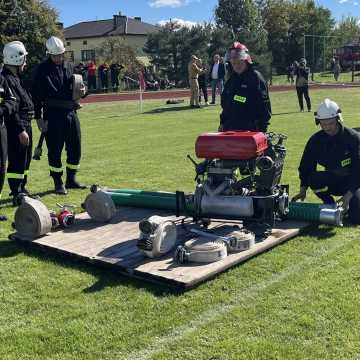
[[240, 177]]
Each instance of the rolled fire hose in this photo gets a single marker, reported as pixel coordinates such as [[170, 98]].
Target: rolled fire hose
[[32, 219], [100, 206], [157, 236], [319, 213], [201, 250], [239, 240]]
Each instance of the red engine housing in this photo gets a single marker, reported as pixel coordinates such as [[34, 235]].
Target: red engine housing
[[231, 145]]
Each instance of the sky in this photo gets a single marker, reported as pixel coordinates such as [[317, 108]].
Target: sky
[[157, 11]]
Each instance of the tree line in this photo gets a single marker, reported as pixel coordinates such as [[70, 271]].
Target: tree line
[[273, 30]]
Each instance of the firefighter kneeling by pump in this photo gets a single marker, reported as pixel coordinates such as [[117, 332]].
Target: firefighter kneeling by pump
[[337, 149]]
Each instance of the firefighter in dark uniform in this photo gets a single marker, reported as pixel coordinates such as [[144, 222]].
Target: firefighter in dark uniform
[[337, 149], [55, 113], [7, 107], [18, 120], [245, 100]]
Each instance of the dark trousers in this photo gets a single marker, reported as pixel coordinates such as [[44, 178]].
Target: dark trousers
[[325, 184], [19, 158], [63, 129], [92, 82], [203, 89], [3, 155], [103, 81], [115, 82], [303, 91]]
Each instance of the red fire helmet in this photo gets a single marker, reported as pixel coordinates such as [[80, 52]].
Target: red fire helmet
[[239, 51]]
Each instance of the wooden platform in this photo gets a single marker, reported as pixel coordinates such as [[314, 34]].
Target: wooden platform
[[114, 244]]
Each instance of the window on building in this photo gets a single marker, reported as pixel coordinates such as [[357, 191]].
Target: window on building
[[69, 56], [87, 55], [85, 42], [68, 43]]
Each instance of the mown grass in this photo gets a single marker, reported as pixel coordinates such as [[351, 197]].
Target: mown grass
[[298, 301], [321, 77]]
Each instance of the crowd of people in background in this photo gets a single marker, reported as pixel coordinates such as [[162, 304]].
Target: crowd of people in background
[[108, 77]]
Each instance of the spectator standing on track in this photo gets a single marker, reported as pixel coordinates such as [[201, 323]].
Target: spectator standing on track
[[193, 72], [203, 82], [217, 75], [91, 75]]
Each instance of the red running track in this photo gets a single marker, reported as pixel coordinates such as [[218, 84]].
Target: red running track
[[180, 93]]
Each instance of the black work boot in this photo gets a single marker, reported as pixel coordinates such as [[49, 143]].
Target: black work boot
[[24, 190], [15, 187], [71, 182], [58, 185]]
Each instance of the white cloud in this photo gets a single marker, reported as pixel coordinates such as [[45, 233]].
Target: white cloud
[[172, 3], [181, 22], [343, 1]]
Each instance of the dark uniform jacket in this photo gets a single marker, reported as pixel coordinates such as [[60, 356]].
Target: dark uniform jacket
[[245, 102], [339, 154], [221, 71], [18, 114], [8, 105], [52, 89], [302, 76]]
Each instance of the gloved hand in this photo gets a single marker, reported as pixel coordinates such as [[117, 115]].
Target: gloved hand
[[42, 125], [301, 195], [345, 201]]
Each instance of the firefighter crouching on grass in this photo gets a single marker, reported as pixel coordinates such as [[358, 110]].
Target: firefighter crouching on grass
[[245, 100], [337, 149], [17, 119], [55, 113]]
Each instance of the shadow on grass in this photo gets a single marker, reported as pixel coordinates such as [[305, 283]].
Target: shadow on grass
[[321, 232], [105, 277], [169, 109], [8, 201], [9, 249]]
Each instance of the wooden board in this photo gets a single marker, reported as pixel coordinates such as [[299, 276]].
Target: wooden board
[[114, 244]]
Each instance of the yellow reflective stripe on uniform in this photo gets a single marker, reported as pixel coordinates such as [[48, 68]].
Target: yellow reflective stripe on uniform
[[15, 176], [321, 190], [239, 98], [346, 162], [26, 172], [55, 169], [71, 166]]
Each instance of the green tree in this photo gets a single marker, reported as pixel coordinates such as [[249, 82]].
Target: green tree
[[114, 50], [243, 18], [347, 31], [276, 14], [306, 18], [29, 21], [170, 48]]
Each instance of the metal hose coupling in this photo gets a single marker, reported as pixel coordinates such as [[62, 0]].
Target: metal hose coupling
[[332, 216]]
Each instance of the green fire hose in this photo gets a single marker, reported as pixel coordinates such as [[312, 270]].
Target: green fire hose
[[163, 200]]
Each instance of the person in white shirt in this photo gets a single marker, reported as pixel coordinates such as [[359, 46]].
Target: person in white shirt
[[217, 75]]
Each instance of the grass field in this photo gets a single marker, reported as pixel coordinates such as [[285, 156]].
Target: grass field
[[321, 77], [298, 301]]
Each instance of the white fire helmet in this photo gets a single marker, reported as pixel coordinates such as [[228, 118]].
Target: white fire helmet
[[55, 46], [14, 53], [328, 110]]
